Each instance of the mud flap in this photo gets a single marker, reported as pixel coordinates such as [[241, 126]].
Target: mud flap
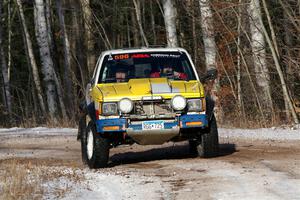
[[210, 104]]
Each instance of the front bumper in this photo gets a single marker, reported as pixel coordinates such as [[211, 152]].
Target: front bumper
[[170, 125]]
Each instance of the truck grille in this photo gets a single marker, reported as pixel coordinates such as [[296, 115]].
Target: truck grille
[[153, 108]]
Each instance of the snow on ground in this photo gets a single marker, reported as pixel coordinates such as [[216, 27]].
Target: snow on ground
[[105, 185], [102, 186], [265, 184], [235, 181], [261, 134], [254, 134], [15, 131]]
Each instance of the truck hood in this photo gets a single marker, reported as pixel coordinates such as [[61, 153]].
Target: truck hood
[[136, 89]]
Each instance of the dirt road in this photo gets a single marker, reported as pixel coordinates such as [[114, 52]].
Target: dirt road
[[245, 169]]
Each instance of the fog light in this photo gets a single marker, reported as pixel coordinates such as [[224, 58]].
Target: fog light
[[193, 123], [111, 128]]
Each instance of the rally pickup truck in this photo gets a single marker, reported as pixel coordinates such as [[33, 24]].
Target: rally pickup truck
[[146, 96]]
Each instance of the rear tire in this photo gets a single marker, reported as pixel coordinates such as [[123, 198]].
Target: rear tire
[[94, 148], [209, 144]]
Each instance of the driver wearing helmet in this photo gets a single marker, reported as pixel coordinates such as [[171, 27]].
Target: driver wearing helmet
[[120, 75], [168, 71]]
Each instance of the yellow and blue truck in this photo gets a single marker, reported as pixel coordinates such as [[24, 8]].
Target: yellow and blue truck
[[146, 96]]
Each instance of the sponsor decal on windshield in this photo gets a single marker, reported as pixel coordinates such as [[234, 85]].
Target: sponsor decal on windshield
[[121, 56], [165, 55], [140, 56]]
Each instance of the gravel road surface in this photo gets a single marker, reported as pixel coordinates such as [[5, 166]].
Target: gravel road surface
[[253, 164]]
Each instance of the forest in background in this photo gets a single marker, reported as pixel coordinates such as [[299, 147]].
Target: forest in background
[[49, 48]]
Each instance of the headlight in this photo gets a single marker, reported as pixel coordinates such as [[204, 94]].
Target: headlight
[[194, 105], [125, 105], [109, 108], [178, 102]]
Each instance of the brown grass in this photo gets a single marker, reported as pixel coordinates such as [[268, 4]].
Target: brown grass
[[24, 180], [253, 120], [29, 122], [21, 182]]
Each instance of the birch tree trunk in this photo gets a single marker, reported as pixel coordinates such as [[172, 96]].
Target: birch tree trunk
[[48, 21], [29, 49], [208, 34], [5, 74], [45, 55], [170, 15], [191, 7], [137, 7], [210, 49], [67, 56], [259, 57], [56, 80]]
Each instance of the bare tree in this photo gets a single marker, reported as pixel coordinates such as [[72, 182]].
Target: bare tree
[[45, 55], [67, 56], [48, 15], [153, 23], [4, 70], [89, 38], [286, 94], [77, 47], [210, 47], [135, 31], [259, 57], [170, 15], [9, 37], [239, 83], [29, 49], [137, 7], [208, 34]]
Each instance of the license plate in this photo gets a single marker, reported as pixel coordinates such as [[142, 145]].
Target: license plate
[[153, 125]]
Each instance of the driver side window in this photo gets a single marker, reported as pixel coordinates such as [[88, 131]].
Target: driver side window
[[104, 74]]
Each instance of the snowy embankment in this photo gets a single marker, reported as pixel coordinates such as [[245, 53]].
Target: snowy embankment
[[253, 134], [262, 133], [43, 131]]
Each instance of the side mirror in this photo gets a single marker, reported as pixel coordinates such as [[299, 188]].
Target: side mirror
[[210, 75], [89, 87]]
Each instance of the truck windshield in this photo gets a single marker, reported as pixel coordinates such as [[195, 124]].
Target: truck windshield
[[123, 67]]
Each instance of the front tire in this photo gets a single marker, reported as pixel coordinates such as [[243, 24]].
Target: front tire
[[95, 149], [209, 144], [193, 144]]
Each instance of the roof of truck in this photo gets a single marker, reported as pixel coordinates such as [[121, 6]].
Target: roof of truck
[[143, 49]]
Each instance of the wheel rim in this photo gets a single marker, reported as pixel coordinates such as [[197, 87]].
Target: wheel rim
[[90, 144]]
